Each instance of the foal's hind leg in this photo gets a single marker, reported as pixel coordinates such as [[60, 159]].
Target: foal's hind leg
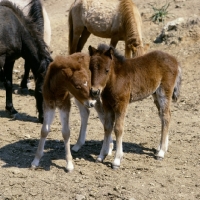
[[64, 117], [107, 142], [48, 119], [163, 105], [84, 113]]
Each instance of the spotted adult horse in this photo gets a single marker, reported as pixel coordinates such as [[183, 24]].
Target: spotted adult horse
[[114, 19], [36, 10], [19, 37]]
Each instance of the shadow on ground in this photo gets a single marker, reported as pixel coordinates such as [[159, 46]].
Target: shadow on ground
[[20, 154]]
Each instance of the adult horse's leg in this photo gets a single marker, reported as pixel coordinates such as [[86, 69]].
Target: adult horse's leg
[[84, 113], [76, 28], [24, 81], [107, 142], [2, 61], [163, 104], [114, 41], [8, 69], [48, 119], [83, 39], [64, 117], [127, 50]]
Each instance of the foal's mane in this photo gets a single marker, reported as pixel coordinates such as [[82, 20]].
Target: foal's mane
[[29, 24], [104, 47]]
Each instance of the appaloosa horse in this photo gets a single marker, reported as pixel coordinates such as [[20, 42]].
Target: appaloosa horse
[[67, 76], [19, 37], [120, 81], [115, 19]]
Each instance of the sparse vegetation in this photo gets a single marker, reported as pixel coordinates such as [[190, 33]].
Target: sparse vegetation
[[160, 13]]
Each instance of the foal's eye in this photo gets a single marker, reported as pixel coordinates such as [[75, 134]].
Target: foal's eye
[[107, 70]]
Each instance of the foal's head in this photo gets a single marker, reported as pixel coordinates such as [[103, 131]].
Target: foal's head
[[79, 84], [100, 67]]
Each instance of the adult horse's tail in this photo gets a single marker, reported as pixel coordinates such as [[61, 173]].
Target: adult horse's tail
[[70, 25], [177, 86], [36, 14]]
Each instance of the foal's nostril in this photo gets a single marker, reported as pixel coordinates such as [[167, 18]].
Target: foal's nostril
[[91, 105], [95, 93]]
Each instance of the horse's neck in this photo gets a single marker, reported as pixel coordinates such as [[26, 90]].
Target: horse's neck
[[30, 50]]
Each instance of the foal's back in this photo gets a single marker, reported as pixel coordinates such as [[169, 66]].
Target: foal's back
[[150, 71]]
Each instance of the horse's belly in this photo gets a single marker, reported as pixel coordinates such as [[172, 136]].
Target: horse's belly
[[100, 18]]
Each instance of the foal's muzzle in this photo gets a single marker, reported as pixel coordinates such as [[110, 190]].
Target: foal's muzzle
[[95, 93]]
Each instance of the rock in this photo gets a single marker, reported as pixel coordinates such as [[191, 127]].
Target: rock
[[79, 197]]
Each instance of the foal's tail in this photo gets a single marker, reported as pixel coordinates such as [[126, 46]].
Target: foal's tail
[[70, 25], [177, 86]]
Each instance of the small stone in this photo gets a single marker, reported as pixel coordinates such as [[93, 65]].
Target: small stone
[[79, 197]]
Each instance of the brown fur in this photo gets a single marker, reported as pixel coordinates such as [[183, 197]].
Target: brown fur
[[65, 75], [122, 22], [121, 81]]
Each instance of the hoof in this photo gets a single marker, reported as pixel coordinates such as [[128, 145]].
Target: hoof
[[24, 91], [12, 112], [115, 167], [99, 160], [33, 167], [76, 147], [69, 170], [158, 158]]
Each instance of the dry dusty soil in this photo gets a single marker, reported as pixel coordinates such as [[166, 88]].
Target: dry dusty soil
[[140, 176]]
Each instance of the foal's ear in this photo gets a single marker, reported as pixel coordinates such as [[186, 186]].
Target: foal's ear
[[109, 52], [68, 72], [92, 50]]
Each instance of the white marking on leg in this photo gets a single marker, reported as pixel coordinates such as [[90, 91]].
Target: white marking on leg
[[105, 148], [48, 118], [64, 117], [84, 113], [119, 153], [110, 146]]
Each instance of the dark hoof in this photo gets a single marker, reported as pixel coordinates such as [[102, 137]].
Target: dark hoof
[[24, 91], [115, 167], [12, 112]]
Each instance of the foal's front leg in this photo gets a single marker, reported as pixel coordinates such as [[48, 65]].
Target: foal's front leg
[[119, 130], [48, 119], [64, 117], [84, 113], [107, 142]]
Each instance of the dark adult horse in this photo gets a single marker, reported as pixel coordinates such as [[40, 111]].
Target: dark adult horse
[[19, 37], [38, 14]]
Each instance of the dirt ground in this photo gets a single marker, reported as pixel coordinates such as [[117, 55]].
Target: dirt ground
[[140, 176]]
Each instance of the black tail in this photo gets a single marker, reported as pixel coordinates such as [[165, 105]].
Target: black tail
[[36, 14]]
